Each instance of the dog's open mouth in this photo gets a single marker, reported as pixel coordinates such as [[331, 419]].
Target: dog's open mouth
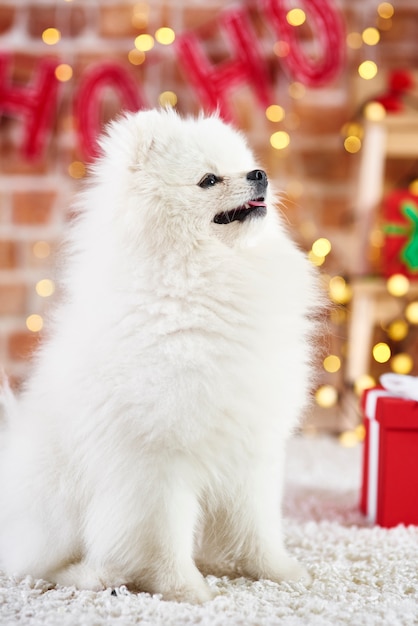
[[252, 208]]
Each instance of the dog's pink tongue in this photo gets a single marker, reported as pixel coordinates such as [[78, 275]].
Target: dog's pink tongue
[[256, 203]]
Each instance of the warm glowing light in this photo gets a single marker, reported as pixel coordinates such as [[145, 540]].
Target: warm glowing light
[[354, 41], [167, 99], [411, 312], [398, 330], [281, 49], [385, 10], [339, 291], [45, 287], [136, 57], [275, 113], [360, 431], [165, 35], [397, 285], [280, 140], [63, 72], [374, 111], [370, 36], [144, 42], [41, 249], [34, 323], [316, 260], [367, 70], [297, 90], [413, 187], [332, 363], [77, 169], [402, 363], [364, 382], [381, 352], [51, 36], [296, 17], [321, 247], [352, 144], [326, 396], [348, 439]]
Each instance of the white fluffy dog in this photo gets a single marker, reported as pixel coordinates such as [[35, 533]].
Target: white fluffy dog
[[150, 436]]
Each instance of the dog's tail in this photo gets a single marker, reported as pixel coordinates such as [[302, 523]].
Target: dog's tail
[[7, 401]]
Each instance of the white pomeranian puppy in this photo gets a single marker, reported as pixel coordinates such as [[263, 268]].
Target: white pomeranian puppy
[[177, 363]]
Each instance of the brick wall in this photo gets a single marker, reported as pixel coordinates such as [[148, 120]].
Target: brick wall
[[314, 172]]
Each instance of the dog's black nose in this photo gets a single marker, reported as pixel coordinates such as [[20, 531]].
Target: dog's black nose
[[259, 177]]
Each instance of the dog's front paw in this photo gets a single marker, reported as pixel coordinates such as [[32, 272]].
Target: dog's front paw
[[292, 570], [193, 594]]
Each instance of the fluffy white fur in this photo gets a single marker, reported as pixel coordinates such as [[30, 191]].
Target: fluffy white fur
[[150, 435]]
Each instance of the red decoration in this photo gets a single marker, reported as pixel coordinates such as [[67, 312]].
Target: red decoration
[[212, 83], [87, 103], [400, 227], [329, 32], [35, 102], [390, 462], [399, 82]]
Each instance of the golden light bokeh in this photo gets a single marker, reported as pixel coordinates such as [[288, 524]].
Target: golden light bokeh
[[296, 17], [397, 285], [332, 363], [367, 70], [411, 312], [374, 111], [34, 323], [165, 35], [349, 439], [370, 36], [316, 260], [413, 187], [275, 113], [136, 57], [366, 381], [326, 396], [321, 247], [385, 10], [339, 291], [401, 363], [45, 287], [51, 36], [144, 42], [77, 169], [381, 352], [63, 72], [167, 99], [280, 139], [352, 144], [398, 330]]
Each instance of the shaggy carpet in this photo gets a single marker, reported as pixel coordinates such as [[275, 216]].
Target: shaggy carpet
[[363, 575]]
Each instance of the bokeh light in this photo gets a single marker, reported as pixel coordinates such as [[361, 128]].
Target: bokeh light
[[165, 35], [398, 330], [41, 249], [167, 99], [411, 312], [397, 285], [401, 363], [370, 36], [332, 363], [144, 42], [275, 113], [280, 139], [45, 287], [296, 17], [34, 323], [367, 70], [381, 352], [385, 10], [326, 396], [63, 72], [51, 36]]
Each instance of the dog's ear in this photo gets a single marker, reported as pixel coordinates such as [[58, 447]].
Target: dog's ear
[[130, 137]]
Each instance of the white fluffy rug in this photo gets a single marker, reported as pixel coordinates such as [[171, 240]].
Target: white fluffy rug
[[362, 575]]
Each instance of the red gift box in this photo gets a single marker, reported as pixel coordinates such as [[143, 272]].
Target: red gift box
[[389, 494]]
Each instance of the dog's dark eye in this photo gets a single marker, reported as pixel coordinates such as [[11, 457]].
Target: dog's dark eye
[[209, 180]]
